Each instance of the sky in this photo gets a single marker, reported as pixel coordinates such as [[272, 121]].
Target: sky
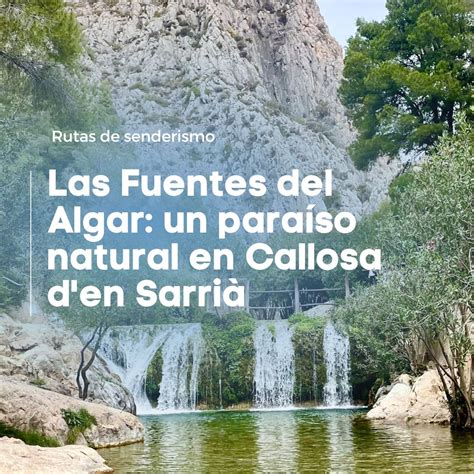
[[341, 15]]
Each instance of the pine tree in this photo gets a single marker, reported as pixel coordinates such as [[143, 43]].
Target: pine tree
[[405, 77]]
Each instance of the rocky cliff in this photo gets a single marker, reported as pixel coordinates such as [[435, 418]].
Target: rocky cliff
[[261, 75], [46, 355]]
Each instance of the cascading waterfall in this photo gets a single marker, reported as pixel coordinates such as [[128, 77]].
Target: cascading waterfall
[[128, 350], [275, 365], [337, 390], [182, 354]]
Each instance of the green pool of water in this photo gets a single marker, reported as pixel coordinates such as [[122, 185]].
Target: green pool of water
[[290, 441]]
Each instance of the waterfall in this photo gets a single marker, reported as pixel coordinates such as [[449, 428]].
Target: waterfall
[[182, 354], [337, 390], [275, 365], [128, 350]]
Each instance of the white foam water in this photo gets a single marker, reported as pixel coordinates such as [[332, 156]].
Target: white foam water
[[128, 350], [182, 353], [337, 390], [274, 376]]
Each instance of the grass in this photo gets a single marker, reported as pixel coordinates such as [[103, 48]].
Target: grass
[[38, 382], [78, 422], [32, 438]]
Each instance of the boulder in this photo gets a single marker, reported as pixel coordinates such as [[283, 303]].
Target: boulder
[[428, 402], [394, 405], [29, 408], [413, 402], [47, 354], [17, 457]]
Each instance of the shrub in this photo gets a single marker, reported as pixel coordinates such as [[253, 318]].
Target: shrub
[[78, 422]]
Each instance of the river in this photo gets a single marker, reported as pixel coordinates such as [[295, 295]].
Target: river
[[306, 440]]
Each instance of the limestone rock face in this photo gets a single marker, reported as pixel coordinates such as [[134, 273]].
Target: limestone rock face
[[26, 407], [16, 456], [421, 401], [261, 75], [47, 355]]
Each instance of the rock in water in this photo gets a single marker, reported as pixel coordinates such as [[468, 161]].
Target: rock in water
[[424, 402], [16, 456]]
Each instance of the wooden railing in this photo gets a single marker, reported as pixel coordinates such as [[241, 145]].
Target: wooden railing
[[289, 301]]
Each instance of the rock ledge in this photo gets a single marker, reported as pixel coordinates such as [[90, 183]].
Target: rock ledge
[[16, 456], [27, 407]]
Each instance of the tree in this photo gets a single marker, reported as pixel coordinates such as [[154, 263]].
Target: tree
[[36, 32], [406, 76], [92, 342], [42, 90], [91, 324], [424, 299]]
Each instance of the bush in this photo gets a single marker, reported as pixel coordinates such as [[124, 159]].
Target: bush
[[78, 422]]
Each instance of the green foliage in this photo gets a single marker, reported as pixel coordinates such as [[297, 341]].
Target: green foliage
[[378, 337], [43, 28], [39, 382], [37, 38], [39, 42], [230, 358], [399, 185], [405, 77], [425, 294], [153, 377], [78, 422], [29, 437], [310, 370]]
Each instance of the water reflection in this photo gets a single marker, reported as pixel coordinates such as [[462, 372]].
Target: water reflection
[[425, 447], [341, 456], [293, 441], [277, 441], [176, 441]]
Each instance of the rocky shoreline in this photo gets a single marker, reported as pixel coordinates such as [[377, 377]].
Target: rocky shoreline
[[412, 401], [30, 408], [38, 363]]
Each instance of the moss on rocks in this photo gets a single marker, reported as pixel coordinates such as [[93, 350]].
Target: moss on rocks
[[310, 370], [30, 437], [153, 377]]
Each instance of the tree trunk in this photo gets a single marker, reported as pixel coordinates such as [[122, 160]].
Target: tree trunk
[[81, 363], [100, 331]]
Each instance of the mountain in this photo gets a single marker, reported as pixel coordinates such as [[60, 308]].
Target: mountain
[[261, 75]]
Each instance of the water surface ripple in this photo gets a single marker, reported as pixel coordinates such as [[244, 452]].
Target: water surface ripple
[[290, 441]]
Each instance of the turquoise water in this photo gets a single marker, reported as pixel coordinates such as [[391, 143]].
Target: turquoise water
[[290, 441]]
